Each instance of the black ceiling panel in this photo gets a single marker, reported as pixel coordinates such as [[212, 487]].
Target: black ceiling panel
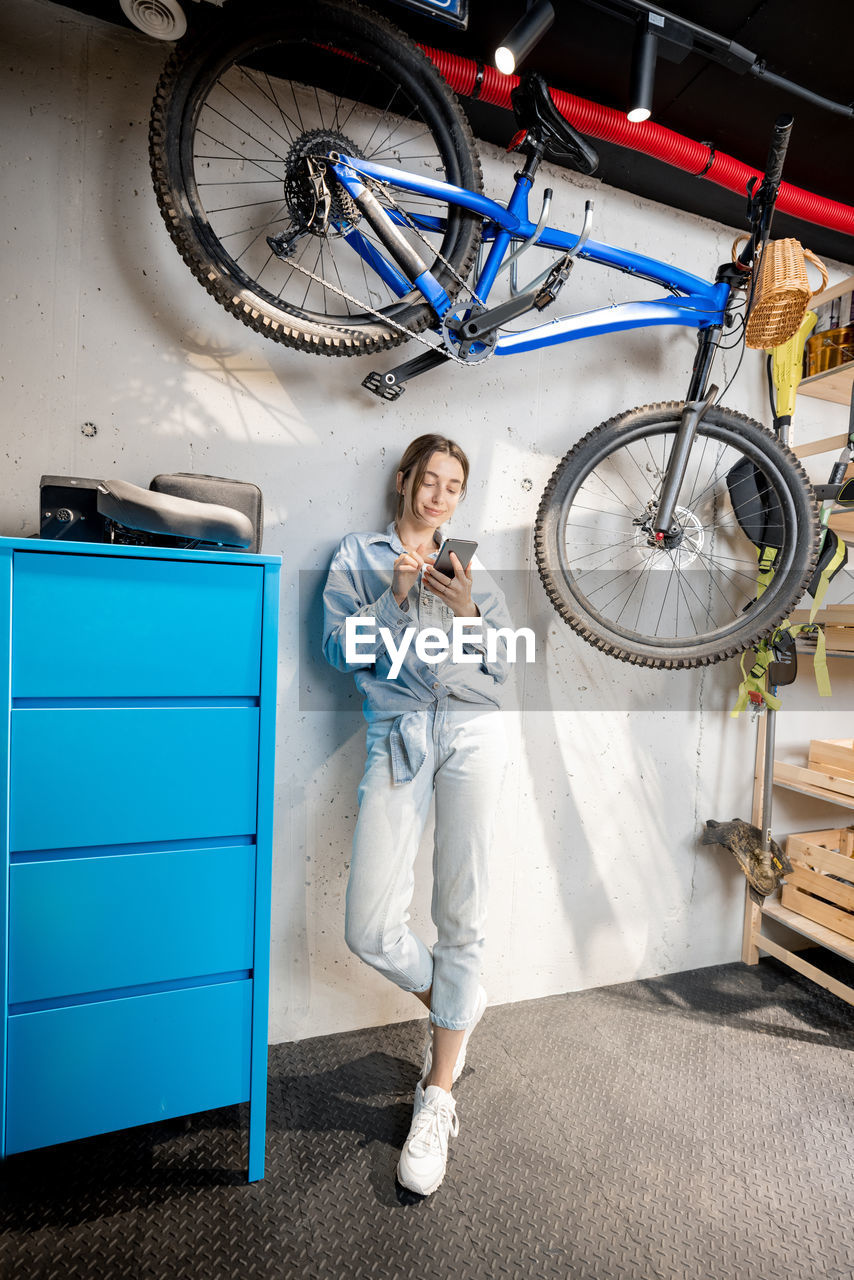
[[588, 53]]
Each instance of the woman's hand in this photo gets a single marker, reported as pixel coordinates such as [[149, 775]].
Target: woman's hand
[[456, 591], [406, 569]]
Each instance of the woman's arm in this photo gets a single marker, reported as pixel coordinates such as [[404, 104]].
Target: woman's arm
[[344, 597]]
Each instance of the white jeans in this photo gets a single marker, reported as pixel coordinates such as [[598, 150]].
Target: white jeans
[[466, 755]]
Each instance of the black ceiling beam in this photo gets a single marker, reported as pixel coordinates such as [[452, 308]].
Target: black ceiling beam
[[683, 34]]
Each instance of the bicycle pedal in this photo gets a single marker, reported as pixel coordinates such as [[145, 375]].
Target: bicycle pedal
[[376, 383], [553, 283]]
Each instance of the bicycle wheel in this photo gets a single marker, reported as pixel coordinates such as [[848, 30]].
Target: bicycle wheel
[[236, 113], [694, 600]]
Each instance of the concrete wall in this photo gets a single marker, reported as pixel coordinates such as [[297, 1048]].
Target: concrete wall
[[118, 364]]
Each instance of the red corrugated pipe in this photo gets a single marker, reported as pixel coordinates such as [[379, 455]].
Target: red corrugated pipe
[[699, 158]]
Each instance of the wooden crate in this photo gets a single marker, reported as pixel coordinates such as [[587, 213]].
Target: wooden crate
[[833, 755], [826, 783], [837, 615], [821, 884], [838, 623], [839, 639]]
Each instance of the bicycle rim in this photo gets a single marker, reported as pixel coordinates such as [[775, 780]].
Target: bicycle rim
[[694, 599]]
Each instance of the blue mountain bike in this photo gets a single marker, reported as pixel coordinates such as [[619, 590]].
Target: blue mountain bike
[[321, 181]]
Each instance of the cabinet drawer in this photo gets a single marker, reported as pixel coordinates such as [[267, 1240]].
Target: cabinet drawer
[[109, 626], [80, 925], [119, 775], [91, 1068]]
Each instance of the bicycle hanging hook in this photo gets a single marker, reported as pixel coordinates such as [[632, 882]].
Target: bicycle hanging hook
[[511, 260], [568, 257], [586, 228]]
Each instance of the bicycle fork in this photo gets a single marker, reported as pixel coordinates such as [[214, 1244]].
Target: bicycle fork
[[700, 397]]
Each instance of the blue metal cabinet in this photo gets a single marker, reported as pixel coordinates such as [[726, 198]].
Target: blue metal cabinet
[[137, 726]]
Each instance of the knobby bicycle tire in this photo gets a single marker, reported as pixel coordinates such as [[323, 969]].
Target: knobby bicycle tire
[[608, 579], [239, 106]]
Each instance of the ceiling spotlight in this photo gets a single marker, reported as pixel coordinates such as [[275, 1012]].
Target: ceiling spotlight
[[528, 31], [643, 70]]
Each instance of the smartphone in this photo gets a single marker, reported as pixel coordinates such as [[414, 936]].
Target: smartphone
[[461, 547]]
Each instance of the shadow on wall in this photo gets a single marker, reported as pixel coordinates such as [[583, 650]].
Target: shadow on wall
[[190, 374], [609, 803], [618, 800]]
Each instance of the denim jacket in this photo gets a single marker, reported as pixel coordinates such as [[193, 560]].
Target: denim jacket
[[359, 584]]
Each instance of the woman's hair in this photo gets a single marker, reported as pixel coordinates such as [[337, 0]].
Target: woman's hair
[[418, 454]]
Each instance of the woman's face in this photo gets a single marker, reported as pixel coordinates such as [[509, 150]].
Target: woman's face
[[439, 491]]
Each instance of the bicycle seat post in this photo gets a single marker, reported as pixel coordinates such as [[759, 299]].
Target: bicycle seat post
[[534, 152]]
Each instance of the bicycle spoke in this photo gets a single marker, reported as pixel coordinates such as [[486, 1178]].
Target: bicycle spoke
[[614, 515], [707, 607], [383, 145], [621, 547], [253, 204], [726, 572], [302, 127], [275, 177], [252, 112], [383, 116], [699, 467], [319, 108], [245, 132], [244, 182], [254, 240], [614, 495], [670, 578], [285, 121], [659, 469], [644, 579], [226, 235]]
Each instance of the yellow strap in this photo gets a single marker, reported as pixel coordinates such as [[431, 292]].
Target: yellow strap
[[822, 675], [826, 574], [767, 556], [754, 681], [787, 362]]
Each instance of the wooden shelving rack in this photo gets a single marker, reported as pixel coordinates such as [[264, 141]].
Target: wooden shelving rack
[[836, 385], [792, 778]]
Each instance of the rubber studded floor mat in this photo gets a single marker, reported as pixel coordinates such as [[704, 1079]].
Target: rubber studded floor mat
[[689, 1127]]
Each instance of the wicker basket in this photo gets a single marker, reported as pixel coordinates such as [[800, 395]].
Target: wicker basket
[[782, 293]]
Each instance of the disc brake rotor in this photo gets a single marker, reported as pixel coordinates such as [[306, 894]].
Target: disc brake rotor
[[684, 545]]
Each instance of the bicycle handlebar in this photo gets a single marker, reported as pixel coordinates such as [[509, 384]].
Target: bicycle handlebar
[[764, 196], [777, 150]]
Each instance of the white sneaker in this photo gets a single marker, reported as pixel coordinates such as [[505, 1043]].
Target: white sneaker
[[424, 1157], [461, 1056]]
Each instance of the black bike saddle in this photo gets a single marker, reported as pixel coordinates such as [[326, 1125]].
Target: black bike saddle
[[536, 112], [159, 513]]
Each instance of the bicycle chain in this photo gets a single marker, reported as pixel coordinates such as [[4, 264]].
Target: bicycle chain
[[392, 324], [379, 315]]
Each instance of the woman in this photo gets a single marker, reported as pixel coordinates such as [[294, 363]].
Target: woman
[[432, 726]]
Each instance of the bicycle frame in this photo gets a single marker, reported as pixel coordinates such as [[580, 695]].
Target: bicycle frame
[[693, 302]]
